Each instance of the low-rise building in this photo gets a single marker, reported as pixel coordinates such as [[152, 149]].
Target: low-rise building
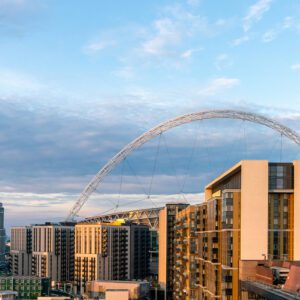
[[54, 298], [8, 295], [27, 287], [103, 288]]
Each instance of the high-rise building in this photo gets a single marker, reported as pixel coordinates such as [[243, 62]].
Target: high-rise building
[[185, 264], [250, 215], [44, 250], [166, 237], [2, 237], [110, 251], [139, 252], [21, 250], [53, 251]]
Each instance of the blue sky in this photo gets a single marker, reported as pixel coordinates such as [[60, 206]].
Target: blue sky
[[81, 79]]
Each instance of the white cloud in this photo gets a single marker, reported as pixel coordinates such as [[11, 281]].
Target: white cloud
[[240, 40], [193, 2], [295, 67], [97, 46], [18, 83], [172, 32], [219, 84], [189, 53], [167, 34], [222, 61], [256, 13], [125, 73], [269, 36], [289, 23], [29, 208]]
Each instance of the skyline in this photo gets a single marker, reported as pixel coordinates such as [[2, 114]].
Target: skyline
[[78, 82]]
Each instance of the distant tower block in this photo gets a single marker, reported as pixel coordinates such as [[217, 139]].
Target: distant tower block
[[2, 237]]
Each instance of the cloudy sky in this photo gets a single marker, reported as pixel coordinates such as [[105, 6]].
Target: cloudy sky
[[81, 79]]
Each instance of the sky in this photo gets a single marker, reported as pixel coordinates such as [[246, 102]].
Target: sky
[[81, 79]]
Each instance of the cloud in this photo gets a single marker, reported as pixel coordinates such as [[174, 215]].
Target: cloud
[[255, 13], [241, 40], [30, 208], [219, 84], [187, 54], [126, 72], [193, 2], [222, 61], [97, 46], [289, 23], [295, 67], [269, 36], [48, 157], [16, 83], [169, 33]]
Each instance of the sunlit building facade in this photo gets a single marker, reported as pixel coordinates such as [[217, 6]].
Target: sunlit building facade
[[53, 251], [166, 236], [186, 267], [2, 237], [111, 251], [249, 215], [21, 250]]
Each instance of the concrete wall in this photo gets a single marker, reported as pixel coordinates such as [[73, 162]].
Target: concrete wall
[[117, 295], [162, 241], [297, 210], [254, 210]]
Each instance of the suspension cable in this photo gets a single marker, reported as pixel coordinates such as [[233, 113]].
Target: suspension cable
[[245, 140], [281, 137], [173, 168], [187, 172], [154, 168], [136, 177], [121, 183]]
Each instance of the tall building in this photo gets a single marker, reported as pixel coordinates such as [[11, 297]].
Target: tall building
[[2, 237], [45, 250], [139, 252], [21, 250], [250, 215], [110, 251], [53, 251], [186, 274], [166, 247]]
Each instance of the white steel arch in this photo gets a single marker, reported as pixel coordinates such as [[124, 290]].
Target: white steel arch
[[162, 127]]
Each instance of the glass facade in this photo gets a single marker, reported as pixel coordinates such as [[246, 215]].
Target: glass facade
[[280, 226]]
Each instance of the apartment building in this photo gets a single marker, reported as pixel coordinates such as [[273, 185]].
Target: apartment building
[[53, 251], [186, 266], [139, 252], [21, 250], [27, 287], [167, 217], [2, 237], [110, 251], [43, 250], [249, 215]]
